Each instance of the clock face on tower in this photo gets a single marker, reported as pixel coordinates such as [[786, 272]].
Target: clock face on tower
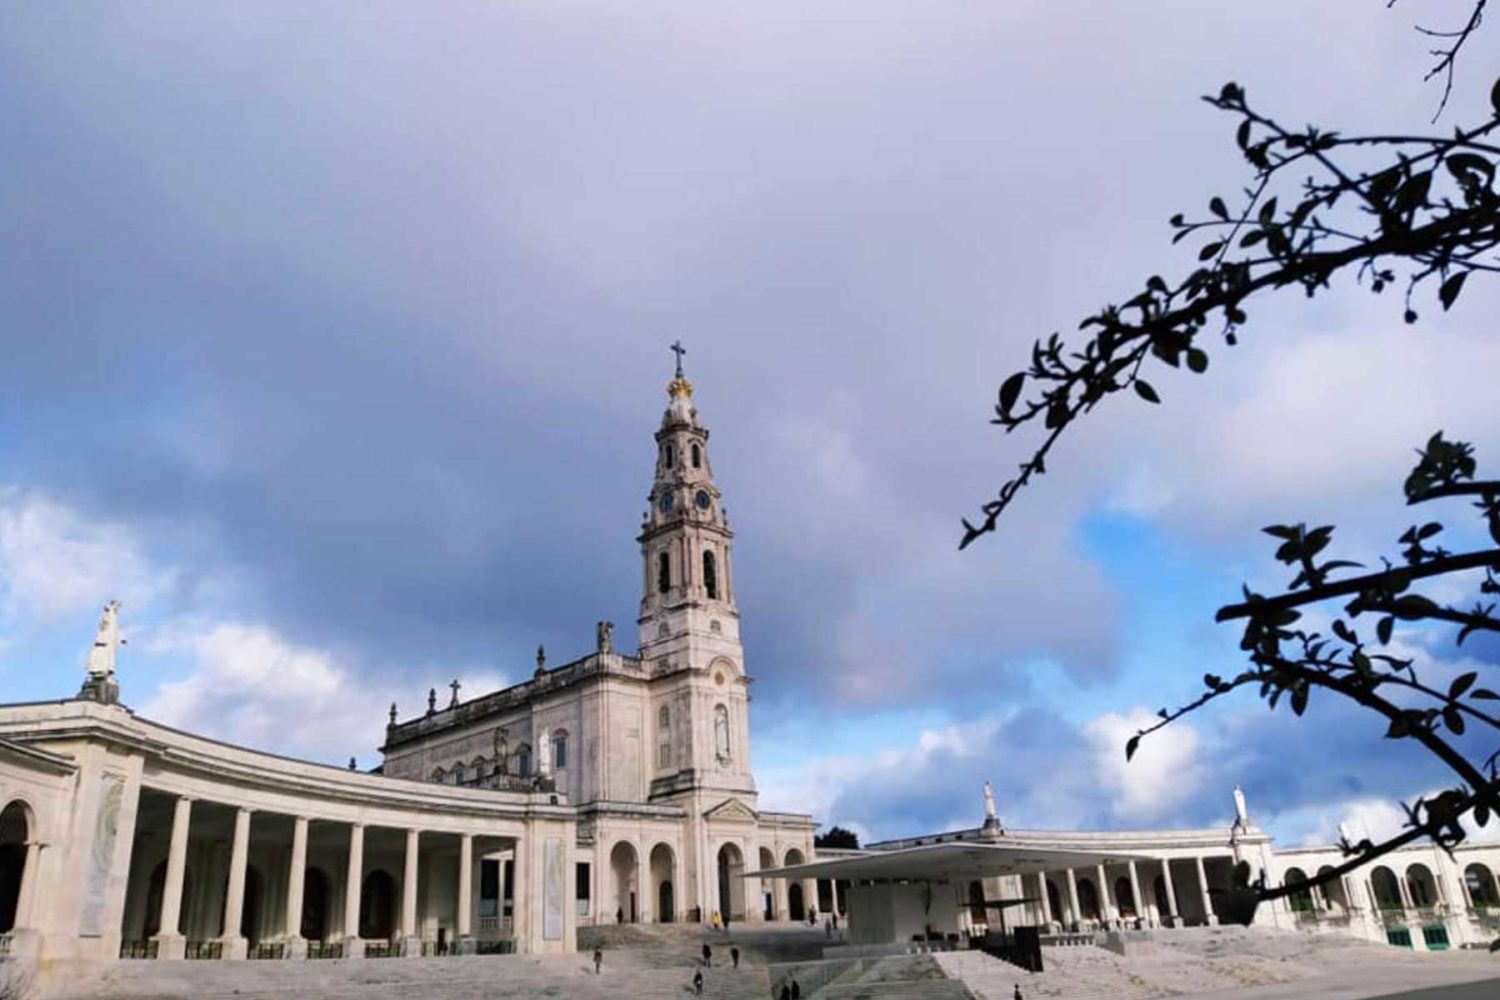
[[665, 503], [703, 500]]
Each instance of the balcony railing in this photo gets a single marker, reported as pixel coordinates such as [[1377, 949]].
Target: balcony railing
[[204, 951], [325, 949], [5, 940], [138, 949], [268, 950]]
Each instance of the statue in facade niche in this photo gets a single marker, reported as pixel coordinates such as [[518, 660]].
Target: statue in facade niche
[[721, 733], [604, 635], [544, 754], [502, 750], [1241, 814], [989, 801], [101, 661]]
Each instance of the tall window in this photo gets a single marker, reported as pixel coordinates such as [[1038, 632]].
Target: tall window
[[489, 887], [671, 456], [663, 572], [560, 749], [458, 774], [697, 457], [721, 732], [664, 738], [523, 762], [710, 574], [581, 892]]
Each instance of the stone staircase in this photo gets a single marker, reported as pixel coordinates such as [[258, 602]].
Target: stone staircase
[[901, 977], [566, 977]]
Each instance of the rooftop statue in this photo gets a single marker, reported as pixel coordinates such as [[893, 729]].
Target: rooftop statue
[[101, 661]]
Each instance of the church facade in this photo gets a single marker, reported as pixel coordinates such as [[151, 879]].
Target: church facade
[[613, 788]]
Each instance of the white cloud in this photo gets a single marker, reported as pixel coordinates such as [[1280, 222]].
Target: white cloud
[[56, 563], [253, 687], [1164, 774]]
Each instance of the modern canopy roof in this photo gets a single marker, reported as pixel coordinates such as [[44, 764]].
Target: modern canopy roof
[[951, 861]]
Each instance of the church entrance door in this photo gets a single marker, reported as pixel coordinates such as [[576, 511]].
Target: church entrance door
[[795, 908]]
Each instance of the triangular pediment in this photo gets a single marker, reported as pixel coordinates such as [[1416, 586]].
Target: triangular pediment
[[732, 811]]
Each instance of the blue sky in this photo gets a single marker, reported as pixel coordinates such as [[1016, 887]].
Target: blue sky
[[334, 337]]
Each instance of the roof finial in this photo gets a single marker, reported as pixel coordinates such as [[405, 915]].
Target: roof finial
[[679, 387]]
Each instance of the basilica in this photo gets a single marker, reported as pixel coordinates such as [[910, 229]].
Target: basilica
[[615, 787], [612, 788]]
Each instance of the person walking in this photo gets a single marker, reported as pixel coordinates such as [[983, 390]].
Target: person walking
[[786, 992], [734, 956], [796, 990], [598, 960], [726, 923], [1017, 994], [698, 982], [708, 955]]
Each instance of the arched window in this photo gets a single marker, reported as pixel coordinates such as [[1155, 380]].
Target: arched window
[[458, 774], [710, 574], [560, 748], [663, 572], [1481, 886], [1301, 901], [1387, 889], [697, 457], [671, 455], [439, 775]]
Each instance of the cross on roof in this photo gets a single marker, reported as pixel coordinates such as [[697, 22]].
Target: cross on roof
[[455, 686], [678, 350]]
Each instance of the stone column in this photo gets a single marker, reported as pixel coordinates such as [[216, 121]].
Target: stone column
[[234, 896], [1107, 910], [521, 911], [353, 883], [411, 940], [465, 901], [296, 884], [1074, 912], [1208, 903], [1166, 877], [1135, 890], [26, 894], [170, 942]]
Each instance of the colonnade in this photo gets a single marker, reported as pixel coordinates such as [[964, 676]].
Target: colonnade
[[449, 893], [1058, 899]]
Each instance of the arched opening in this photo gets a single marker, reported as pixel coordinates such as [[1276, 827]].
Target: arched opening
[[1054, 902], [15, 831], [795, 909], [1333, 892], [1387, 892], [1422, 887], [710, 574], [250, 908], [1125, 899], [663, 572], [314, 905], [1300, 901], [1088, 899], [731, 882], [155, 889], [976, 904], [623, 868], [1481, 885], [697, 457], [663, 862], [1159, 892], [671, 456], [767, 892], [377, 906]]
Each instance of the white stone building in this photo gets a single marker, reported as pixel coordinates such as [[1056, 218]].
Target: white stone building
[[614, 787]]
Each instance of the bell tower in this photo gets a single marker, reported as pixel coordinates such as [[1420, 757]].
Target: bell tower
[[689, 623]]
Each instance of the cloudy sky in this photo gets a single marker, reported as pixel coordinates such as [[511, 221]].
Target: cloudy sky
[[332, 338]]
